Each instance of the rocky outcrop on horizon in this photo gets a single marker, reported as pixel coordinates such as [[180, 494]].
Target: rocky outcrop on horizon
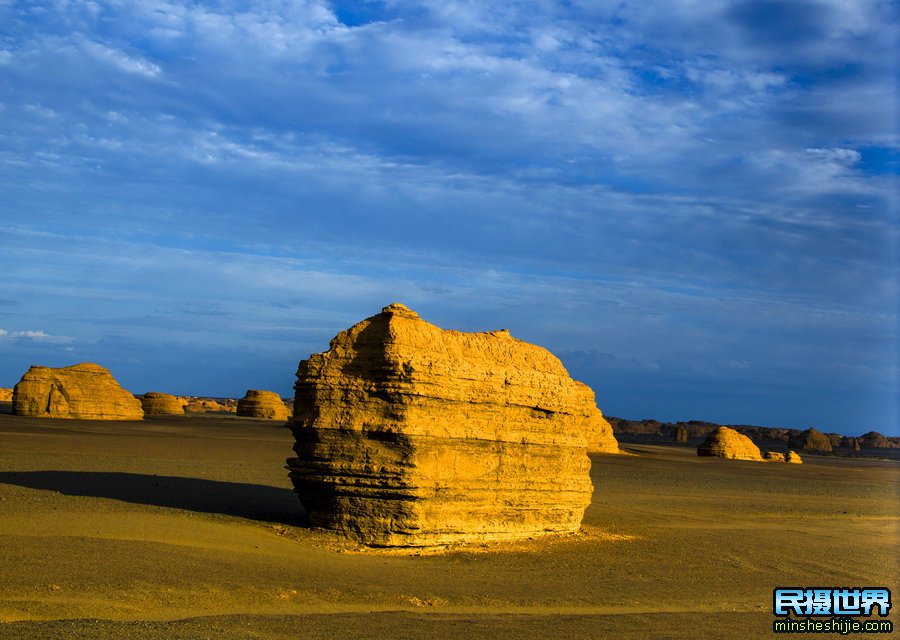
[[667, 432], [873, 439], [728, 443], [811, 440], [267, 405], [209, 405], [5, 394], [84, 391], [162, 404], [410, 435]]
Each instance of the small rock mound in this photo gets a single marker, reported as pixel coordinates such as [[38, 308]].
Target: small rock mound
[[793, 457], [811, 440], [83, 391], [162, 404], [728, 443], [5, 394], [267, 405], [773, 456]]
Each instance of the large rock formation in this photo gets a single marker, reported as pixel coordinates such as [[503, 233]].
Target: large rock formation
[[409, 435], [86, 391], [728, 443], [263, 404], [162, 404], [811, 440]]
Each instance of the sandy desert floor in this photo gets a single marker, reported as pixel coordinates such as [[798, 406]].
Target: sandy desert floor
[[186, 527]]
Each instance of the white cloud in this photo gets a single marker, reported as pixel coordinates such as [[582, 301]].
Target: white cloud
[[36, 336], [122, 61]]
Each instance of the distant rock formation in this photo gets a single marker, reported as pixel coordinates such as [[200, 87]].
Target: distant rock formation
[[773, 456], [680, 433], [162, 404], [728, 443], [263, 404], [5, 394], [793, 457], [85, 391], [811, 440], [655, 432], [875, 440], [209, 405], [409, 435]]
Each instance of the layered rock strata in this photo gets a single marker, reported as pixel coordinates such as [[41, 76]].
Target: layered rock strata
[[155, 403], [262, 404], [728, 443], [409, 435], [85, 391]]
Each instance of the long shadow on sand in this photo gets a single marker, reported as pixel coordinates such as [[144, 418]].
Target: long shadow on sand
[[251, 501]]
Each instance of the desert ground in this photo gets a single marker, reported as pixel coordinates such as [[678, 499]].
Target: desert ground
[[186, 527]]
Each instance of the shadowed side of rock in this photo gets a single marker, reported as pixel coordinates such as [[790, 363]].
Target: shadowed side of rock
[[84, 391], [811, 440], [409, 435]]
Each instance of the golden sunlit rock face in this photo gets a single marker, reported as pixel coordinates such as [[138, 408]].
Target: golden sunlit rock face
[[262, 404], [409, 435], [728, 443], [793, 457], [155, 403], [86, 391]]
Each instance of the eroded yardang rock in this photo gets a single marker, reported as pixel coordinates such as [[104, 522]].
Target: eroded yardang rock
[[162, 404], [5, 394], [194, 404], [262, 404], [728, 443], [409, 435], [86, 391], [811, 440], [793, 457], [773, 456]]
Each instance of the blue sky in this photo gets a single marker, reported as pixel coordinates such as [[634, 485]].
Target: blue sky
[[693, 204]]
